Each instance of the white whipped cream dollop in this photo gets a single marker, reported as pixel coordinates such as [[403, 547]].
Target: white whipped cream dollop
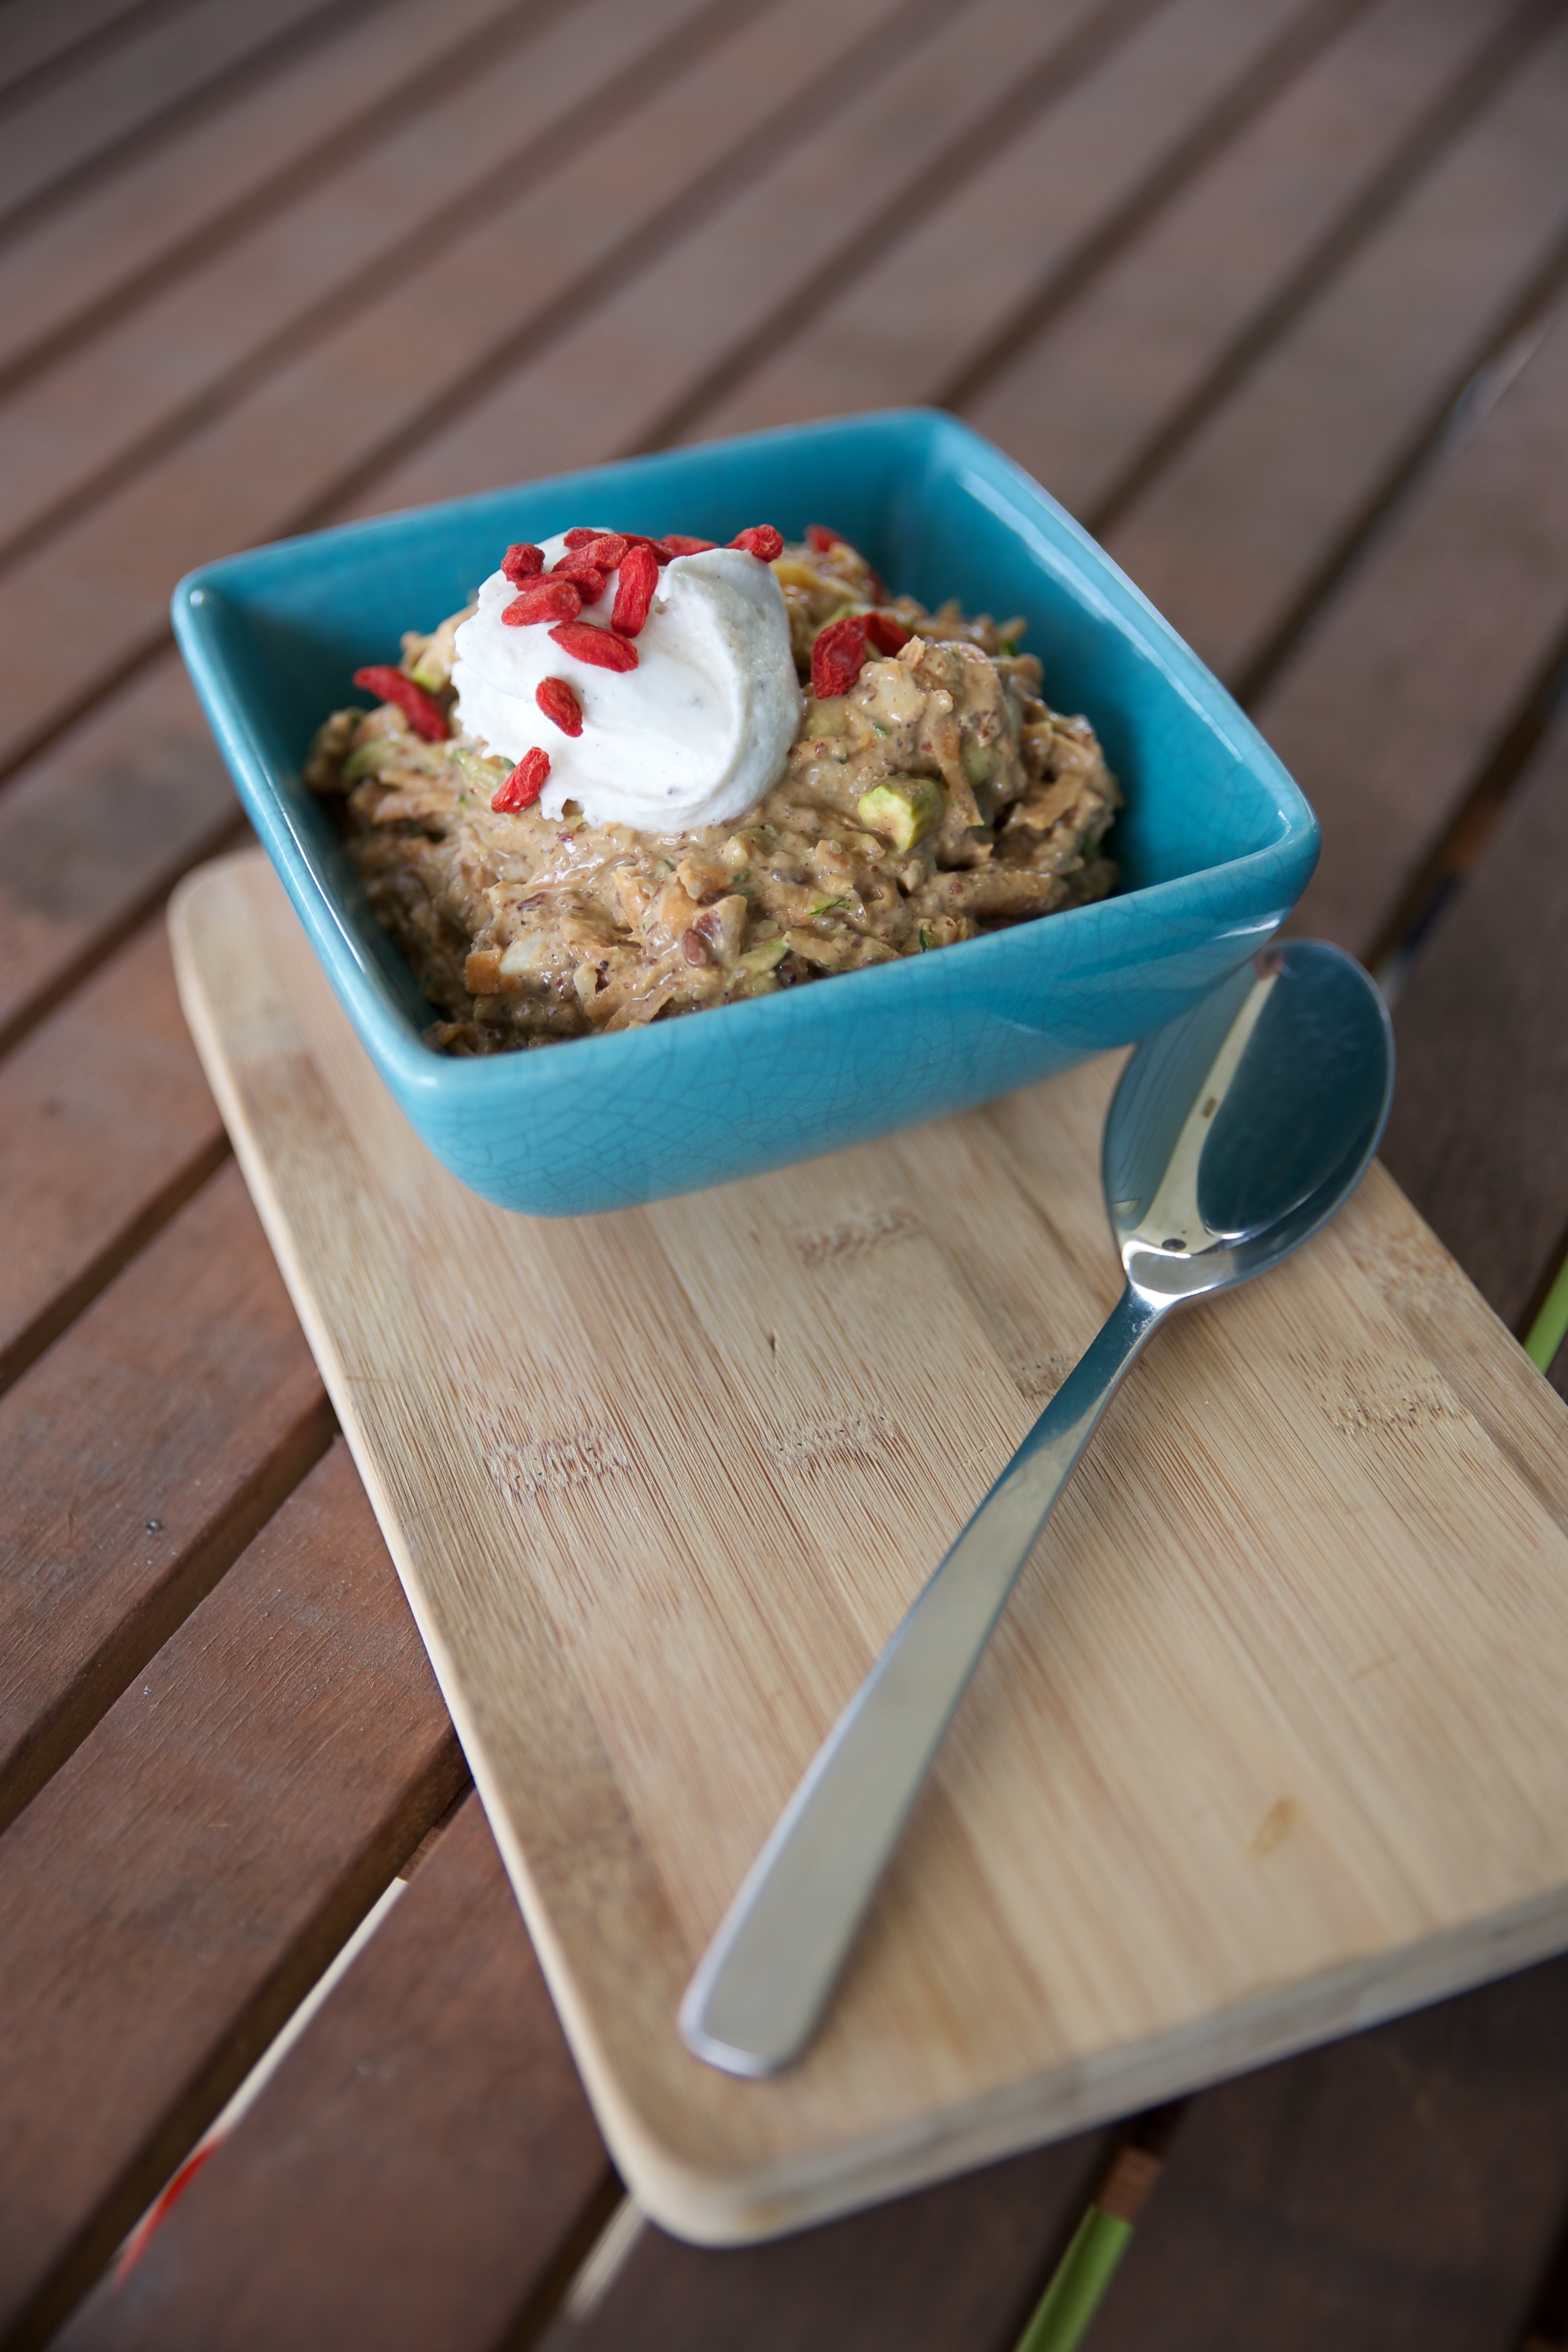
[[693, 736]]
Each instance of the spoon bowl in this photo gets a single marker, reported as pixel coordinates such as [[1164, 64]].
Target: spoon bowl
[[1235, 1134], [1239, 1129]]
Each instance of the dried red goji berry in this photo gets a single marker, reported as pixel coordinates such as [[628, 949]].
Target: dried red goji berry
[[522, 562], [579, 537], [587, 642], [603, 553], [547, 599], [887, 634], [680, 542], [820, 539], [557, 701], [641, 538], [586, 578], [524, 784], [762, 541], [422, 710], [838, 656], [634, 590]]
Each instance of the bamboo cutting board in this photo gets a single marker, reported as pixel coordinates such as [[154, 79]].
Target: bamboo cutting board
[[1274, 1739]]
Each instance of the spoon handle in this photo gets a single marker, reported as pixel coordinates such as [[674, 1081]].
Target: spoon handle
[[764, 1979]]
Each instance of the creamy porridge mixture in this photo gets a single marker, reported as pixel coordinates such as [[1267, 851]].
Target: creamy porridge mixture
[[638, 778]]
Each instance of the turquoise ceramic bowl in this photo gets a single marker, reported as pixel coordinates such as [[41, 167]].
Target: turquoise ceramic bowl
[[1215, 846]]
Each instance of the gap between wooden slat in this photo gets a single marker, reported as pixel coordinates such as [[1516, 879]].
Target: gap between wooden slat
[[1457, 851], [1459, 410], [934, 181], [87, 48], [207, 98], [1216, 130], [625, 94], [627, 90], [271, 1980], [1452, 112], [841, 84], [29, 1343], [56, 989], [344, 144]]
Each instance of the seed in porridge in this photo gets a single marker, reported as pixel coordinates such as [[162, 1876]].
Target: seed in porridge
[[522, 562], [524, 784], [587, 642], [549, 598], [634, 590], [838, 656], [558, 703], [422, 710], [762, 541]]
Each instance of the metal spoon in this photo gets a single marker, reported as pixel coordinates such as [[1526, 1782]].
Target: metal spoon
[[1234, 1134]]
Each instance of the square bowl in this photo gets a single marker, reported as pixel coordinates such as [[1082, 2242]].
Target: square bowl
[[1216, 843]]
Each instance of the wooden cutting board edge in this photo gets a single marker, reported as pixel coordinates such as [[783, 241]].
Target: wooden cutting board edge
[[739, 2206]]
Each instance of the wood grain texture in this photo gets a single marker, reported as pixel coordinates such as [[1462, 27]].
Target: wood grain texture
[[1031, 218], [96, 833], [1480, 1133], [1401, 695], [106, 1125], [1398, 2192], [864, 146], [180, 1884], [955, 2269], [198, 344], [1105, 371], [172, 63], [568, 208], [143, 1452], [136, 235], [1242, 515], [417, 2161], [742, 1429]]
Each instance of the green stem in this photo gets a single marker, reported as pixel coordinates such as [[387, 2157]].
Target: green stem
[[1078, 2285], [1549, 1328]]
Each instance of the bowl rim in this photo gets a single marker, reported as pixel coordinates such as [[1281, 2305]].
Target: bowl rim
[[415, 1067]]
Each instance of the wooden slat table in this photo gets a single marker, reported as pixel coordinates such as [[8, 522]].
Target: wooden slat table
[[1267, 291]]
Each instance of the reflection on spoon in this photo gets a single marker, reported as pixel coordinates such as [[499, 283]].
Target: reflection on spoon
[[1234, 1134]]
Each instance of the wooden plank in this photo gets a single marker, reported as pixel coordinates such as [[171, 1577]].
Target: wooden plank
[[1067, 198], [600, 201], [1480, 1133], [191, 348], [1402, 2188], [955, 2269], [1413, 679], [1377, 1813], [1267, 481], [94, 260], [96, 833], [1106, 363], [414, 2172], [875, 148], [175, 64], [184, 1878], [38, 45], [106, 1125], [143, 1452]]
